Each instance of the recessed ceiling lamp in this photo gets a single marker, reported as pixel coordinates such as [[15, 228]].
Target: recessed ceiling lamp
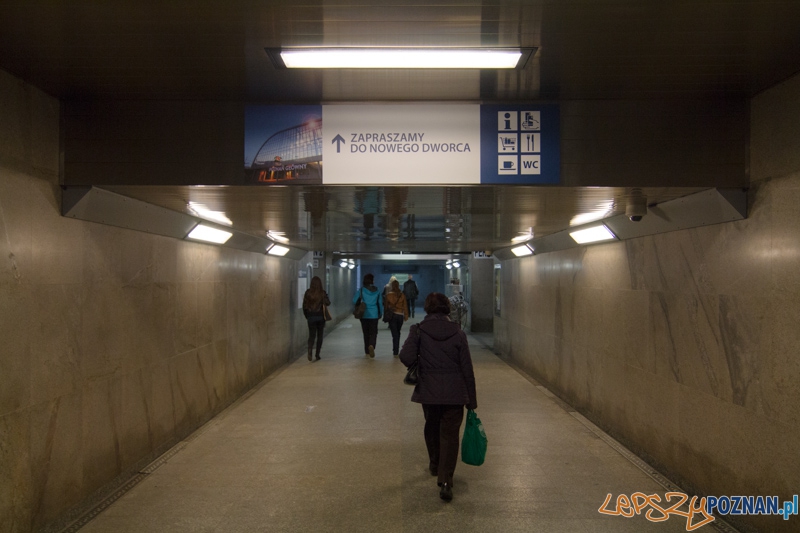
[[522, 251], [277, 249], [343, 263], [593, 234], [209, 234], [441, 58], [351, 264]]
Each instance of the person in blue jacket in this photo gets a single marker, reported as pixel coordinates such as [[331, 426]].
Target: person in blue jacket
[[370, 295]]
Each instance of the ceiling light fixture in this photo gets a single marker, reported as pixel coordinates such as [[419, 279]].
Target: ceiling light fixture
[[209, 234], [343, 263], [593, 234], [277, 249], [439, 58], [522, 251]]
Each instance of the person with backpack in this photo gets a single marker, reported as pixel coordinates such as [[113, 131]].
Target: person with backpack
[[395, 313], [371, 296]]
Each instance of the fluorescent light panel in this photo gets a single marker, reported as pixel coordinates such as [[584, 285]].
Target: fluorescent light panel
[[522, 251], [400, 58], [209, 234], [593, 234], [277, 249]]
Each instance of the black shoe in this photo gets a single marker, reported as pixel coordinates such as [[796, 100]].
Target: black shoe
[[309, 354], [446, 493]]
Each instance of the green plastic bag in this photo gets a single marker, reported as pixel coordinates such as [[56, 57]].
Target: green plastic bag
[[473, 445]]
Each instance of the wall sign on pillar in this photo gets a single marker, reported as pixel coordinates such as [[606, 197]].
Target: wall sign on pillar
[[412, 144]]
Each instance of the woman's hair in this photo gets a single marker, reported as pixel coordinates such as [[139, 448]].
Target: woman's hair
[[312, 300], [369, 279], [395, 286], [437, 303]]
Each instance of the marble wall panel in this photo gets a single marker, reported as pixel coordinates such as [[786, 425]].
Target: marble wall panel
[[100, 459], [54, 325], [189, 391], [56, 249], [211, 312], [56, 456], [15, 363], [184, 304], [16, 485], [15, 227], [779, 370], [626, 327], [688, 343], [157, 384], [785, 250]]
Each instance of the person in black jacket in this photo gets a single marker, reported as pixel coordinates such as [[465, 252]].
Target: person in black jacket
[[411, 291], [446, 384], [313, 301]]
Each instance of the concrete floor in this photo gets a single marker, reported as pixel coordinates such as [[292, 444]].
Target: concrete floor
[[336, 445]]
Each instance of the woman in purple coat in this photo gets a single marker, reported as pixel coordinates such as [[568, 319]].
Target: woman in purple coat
[[446, 384]]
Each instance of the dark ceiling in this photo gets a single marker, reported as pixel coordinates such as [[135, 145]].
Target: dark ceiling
[[586, 49]]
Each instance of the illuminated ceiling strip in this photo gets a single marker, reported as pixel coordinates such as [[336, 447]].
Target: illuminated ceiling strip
[[427, 58]]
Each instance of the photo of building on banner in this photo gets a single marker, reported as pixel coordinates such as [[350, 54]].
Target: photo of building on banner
[[283, 145]]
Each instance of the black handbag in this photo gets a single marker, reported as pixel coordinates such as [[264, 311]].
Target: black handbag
[[412, 376]]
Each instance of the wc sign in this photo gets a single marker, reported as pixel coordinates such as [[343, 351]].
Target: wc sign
[[403, 144]]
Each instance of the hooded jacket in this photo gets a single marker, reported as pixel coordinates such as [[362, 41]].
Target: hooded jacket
[[373, 299], [445, 366]]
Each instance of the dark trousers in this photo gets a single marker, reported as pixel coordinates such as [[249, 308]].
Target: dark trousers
[[369, 327], [315, 330], [395, 325], [411, 302], [442, 424]]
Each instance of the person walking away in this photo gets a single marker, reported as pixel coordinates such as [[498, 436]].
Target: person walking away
[[313, 300], [396, 303], [371, 296], [411, 291], [446, 384], [388, 286]]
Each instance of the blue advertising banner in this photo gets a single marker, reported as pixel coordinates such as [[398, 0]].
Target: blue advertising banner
[[413, 144]]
